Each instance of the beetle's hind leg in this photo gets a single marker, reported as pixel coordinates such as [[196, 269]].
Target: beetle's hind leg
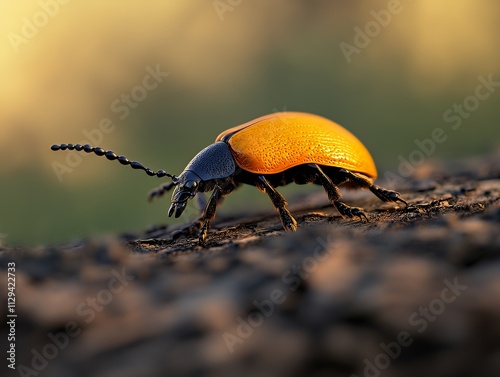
[[380, 192], [334, 195], [279, 202]]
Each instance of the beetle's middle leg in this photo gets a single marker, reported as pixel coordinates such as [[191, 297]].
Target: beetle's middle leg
[[279, 202], [334, 195]]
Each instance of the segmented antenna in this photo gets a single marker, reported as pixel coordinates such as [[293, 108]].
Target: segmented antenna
[[110, 155]]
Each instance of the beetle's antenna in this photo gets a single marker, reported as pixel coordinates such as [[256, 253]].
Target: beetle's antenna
[[110, 155]]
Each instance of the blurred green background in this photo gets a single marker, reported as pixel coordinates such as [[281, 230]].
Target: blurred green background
[[63, 66]]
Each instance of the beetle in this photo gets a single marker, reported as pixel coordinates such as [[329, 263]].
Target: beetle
[[268, 152]]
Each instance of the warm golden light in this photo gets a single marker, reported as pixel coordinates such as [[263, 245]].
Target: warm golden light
[[66, 66]]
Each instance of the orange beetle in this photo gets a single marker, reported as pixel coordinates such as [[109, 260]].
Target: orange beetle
[[268, 152]]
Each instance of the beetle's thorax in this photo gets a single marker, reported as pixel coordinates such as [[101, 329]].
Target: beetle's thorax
[[212, 163]]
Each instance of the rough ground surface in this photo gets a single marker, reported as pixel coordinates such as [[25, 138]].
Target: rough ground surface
[[413, 292]]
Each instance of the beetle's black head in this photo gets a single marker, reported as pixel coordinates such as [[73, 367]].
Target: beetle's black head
[[213, 162], [187, 187]]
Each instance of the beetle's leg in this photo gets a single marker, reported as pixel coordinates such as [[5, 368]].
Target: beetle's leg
[[209, 213], [334, 195], [203, 223], [279, 202], [158, 192], [381, 193]]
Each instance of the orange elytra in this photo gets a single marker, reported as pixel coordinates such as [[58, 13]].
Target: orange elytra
[[274, 143], [268, 152]]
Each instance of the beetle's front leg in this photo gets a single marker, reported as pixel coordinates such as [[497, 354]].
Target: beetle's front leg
[[210, 210], [209, 214]]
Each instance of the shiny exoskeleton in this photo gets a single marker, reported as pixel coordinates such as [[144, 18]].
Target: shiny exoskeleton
[[268, 152]]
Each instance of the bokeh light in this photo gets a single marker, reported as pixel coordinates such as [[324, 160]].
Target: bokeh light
[[62, 77]]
